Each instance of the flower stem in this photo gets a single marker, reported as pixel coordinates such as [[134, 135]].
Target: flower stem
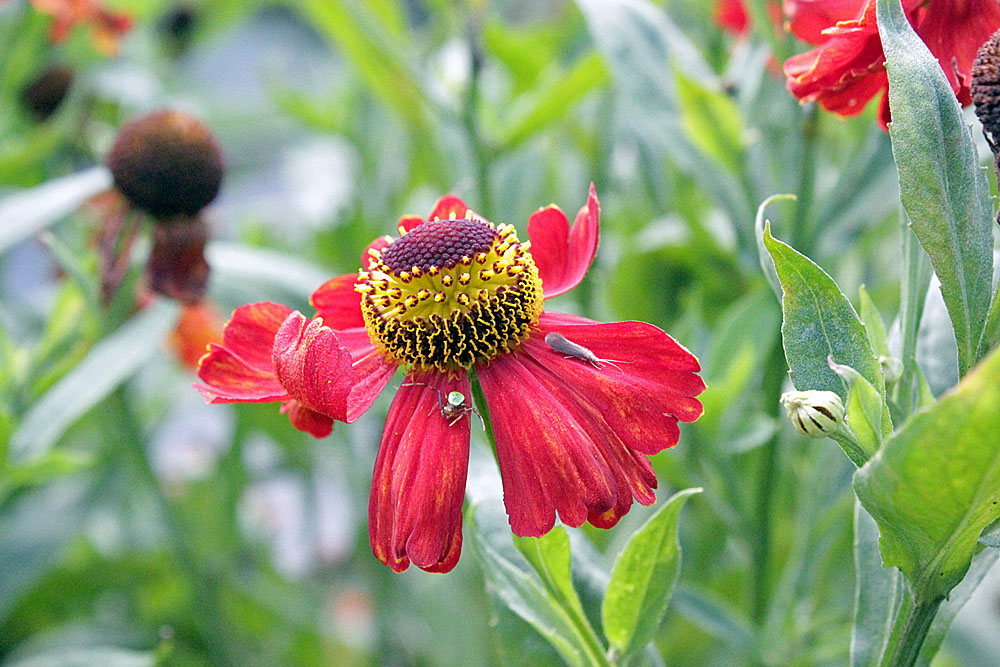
[[128, 436], [470, 109], [911, 624], [484, 411]]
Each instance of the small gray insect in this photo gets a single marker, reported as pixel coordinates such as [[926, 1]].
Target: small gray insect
[[455, 406], [560, 343]]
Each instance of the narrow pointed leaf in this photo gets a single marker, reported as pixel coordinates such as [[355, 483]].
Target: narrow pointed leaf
[[877, 593], [643, 579], [819, 322], [942, 186]]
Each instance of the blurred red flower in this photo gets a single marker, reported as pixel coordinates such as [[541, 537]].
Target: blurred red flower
[[847, 68], [198, 325], [732, 15], [454, 295], [108, 26]]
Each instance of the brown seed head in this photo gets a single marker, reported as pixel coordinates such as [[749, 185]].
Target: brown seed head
[[167, 164], [986, 85], [47, 91]]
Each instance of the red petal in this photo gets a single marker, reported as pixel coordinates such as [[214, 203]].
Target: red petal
[[240, 370], [563, 255], [447, 207], [307, 420], [807, 19], [319, 371], [415, 507], [338, 303], [549, 461]]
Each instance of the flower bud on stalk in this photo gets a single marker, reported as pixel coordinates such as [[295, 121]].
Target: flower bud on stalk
[[168, 165]]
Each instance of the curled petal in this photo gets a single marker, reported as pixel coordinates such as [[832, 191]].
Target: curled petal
[[319, 372], [307, 420], [563, 255], [338, 303], [415, 507], [240, 369], [808, 19]]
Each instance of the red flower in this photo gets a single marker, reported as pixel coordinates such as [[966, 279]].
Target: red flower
[[451, 295], [847, 69], [198, 325], [732, 15], [108, 26]]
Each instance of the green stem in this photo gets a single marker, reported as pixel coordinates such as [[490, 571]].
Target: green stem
[[803, 231], [470, 110], [913, 291], [484, 411], [908, 634], [129, 439]]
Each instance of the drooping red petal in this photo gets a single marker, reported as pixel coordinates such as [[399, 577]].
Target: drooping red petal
[[338, 303], [307, 420], [318, 370], [562, 254], [240, 369], [415, 507], [549, 462], [447, 207]]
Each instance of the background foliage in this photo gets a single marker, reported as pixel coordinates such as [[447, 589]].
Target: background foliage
[[139, 526]]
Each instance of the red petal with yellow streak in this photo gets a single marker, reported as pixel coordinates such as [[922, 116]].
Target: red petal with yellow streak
[[415, 507], [563, 254]]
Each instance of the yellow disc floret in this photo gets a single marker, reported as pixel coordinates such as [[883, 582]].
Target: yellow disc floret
[[450, 293]]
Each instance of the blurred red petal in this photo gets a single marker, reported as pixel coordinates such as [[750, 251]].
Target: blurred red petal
[[562, 254], [448, 207], [415, 507], [731, 15], [338, 303]]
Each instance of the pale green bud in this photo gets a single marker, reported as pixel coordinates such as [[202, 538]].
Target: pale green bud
[[817, 414]]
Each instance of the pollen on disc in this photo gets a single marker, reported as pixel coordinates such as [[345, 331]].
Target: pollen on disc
[[442, 243]]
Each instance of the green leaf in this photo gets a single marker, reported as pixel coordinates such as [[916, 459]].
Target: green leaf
[[712, 120], [942, 186], [25, 213], [550, 556], [643, 578], [534, 111], [874, 324], [106, 366], [766, 263], [866, 409], [935, 484], [877, 593], [512, 579], [84, 656], [819, 322]]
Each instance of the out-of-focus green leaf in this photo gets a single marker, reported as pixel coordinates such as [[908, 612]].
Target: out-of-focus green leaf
[[819, 322], [86, 656], [535, 111], [265, 272], [877, 593], [513, 581], [934, 485], [27, 212], [874, 324], [942, 185], [106, 366], [643, 578], [52, 464], [712, 120], [721, 620]]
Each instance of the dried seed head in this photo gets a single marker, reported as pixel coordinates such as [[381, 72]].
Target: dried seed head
[[167, 164], [985, 85], [176, 267], [47, 91], [817, 414]]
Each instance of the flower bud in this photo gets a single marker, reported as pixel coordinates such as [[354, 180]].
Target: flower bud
[[167, 164], [817, 414], [892, 368], [985, 86]]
